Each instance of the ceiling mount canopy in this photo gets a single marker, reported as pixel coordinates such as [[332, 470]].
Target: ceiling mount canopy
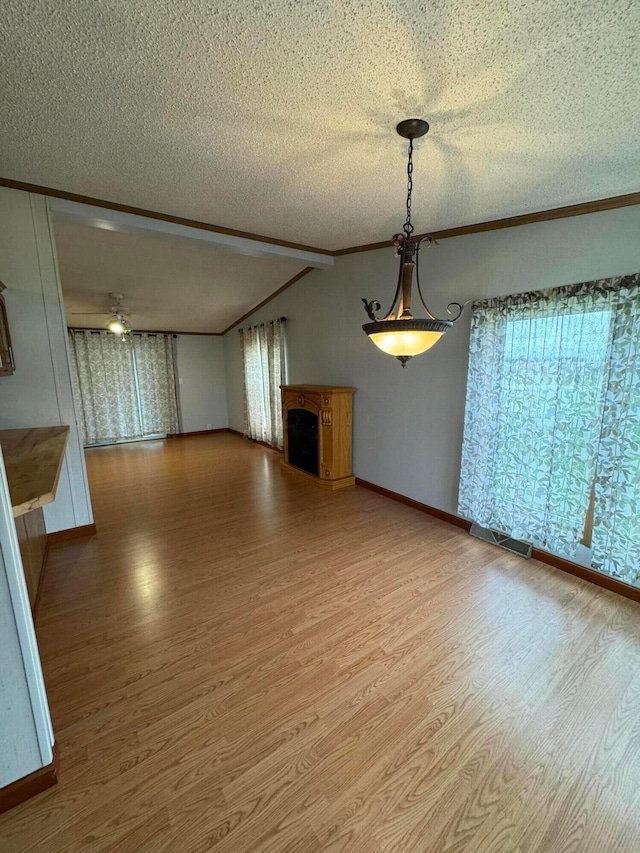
[[399, 333], [413, 128]]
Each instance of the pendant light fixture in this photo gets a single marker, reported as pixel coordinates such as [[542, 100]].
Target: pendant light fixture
[[399, 333]]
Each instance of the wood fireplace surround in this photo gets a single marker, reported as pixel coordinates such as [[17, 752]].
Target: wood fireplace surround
[[317, 421]]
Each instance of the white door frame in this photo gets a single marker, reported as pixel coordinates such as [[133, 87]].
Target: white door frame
[[24, 621]]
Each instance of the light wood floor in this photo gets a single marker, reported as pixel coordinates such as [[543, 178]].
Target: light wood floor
[[238, 661]]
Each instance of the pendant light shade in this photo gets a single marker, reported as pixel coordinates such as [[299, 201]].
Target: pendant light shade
[[405, 338], [399, 333]]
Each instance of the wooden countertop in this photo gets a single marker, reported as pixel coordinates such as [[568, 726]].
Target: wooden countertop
[[33, 460]]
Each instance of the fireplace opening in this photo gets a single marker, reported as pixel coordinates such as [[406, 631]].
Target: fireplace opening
[[302, 435]]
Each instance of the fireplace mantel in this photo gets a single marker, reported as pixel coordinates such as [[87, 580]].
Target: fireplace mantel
[[317, 423]]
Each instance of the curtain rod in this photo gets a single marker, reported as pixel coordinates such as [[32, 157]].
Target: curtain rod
[[106, 331], [259, 325]]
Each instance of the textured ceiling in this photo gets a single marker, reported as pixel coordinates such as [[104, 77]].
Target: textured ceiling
[[277, 116], [168, 284]]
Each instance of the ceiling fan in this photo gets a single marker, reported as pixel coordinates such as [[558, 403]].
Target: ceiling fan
[[118, 314]]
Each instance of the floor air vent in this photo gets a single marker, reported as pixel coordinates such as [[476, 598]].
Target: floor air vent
[[503, 540]]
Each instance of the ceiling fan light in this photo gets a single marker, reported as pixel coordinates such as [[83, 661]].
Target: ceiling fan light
[[116, 326]]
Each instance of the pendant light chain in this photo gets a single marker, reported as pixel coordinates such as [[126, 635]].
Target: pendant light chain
[[399, 333], [408, 227]]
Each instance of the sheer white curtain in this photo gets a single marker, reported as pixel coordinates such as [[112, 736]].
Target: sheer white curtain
[[156, 383], [553, 412], [535, 394], [263, 357], [103, 375], [124, 388]]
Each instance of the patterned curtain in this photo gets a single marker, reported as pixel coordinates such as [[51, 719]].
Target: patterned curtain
[[616, 525], [535, 399], [103, 375], [156, 383], [263, 359], [124, 388]]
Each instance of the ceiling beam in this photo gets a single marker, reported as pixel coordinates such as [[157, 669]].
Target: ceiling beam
[[51, 192], [134, 223]]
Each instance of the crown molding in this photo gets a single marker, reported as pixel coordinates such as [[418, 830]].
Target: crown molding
[[264, 302], [580, 209]]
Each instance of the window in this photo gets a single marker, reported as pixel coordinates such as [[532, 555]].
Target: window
[[551, 382]]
